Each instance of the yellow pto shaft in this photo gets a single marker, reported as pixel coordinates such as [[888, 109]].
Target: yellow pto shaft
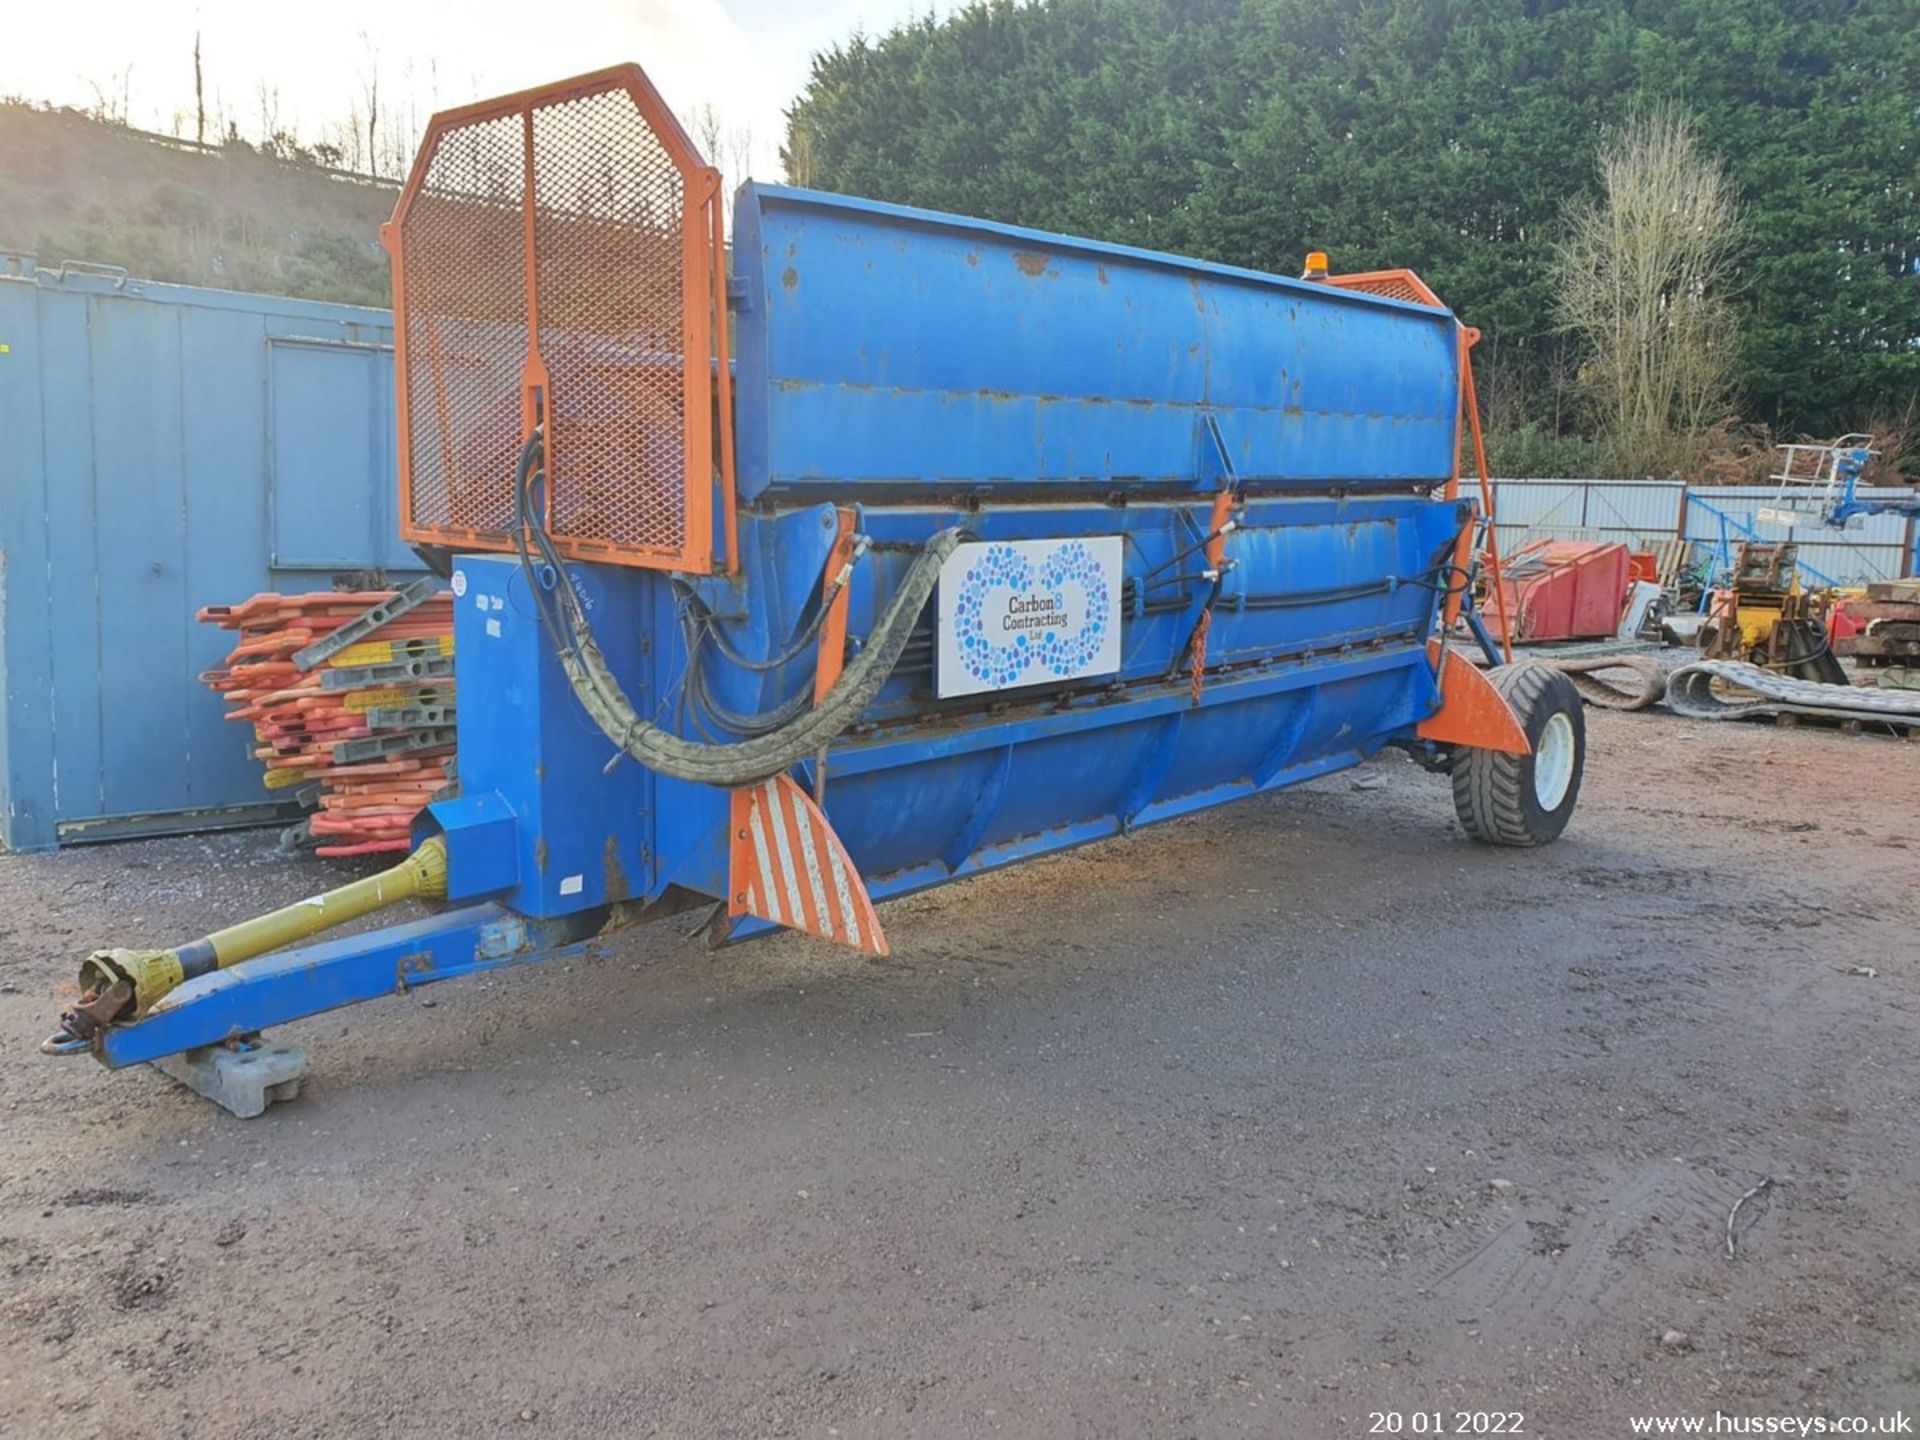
[[125, 984]]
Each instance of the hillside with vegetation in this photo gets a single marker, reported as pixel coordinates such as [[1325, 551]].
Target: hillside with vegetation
[[1466, 139], [232, 216]]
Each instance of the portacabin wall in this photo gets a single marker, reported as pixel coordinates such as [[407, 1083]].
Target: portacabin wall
[[165, 447]]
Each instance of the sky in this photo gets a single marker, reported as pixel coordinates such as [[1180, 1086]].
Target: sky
[[308, 67]]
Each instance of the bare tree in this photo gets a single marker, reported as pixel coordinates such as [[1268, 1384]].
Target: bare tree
[[110, 106], [726, 146], [199, 96], [269, 98], [370, 89], [738, 164], [708, 129], [1641, 276], [1506, 394], [797, 154], [350, 137], [405, 128], [1562, 378]]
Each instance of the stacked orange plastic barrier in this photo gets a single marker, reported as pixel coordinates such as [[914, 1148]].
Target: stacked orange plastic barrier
[[378, 748]]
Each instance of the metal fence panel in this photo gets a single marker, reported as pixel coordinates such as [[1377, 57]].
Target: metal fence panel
[[1642, 513], [155, 456], [1633, 512], [1875, 547], [1648, 510], [1542, 506]]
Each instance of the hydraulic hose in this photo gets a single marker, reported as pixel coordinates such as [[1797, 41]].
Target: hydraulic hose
[[719, 763], [745, 761]]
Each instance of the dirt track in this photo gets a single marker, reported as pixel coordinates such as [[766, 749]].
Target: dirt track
[[1192, 1133]]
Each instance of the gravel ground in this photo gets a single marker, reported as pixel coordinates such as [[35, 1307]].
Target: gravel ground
[[1255, 1123]]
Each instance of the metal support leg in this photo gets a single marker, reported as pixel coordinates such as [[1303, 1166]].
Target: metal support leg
[[1484, 636]]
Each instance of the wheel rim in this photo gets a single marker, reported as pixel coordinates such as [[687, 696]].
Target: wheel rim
[[1553, 761]]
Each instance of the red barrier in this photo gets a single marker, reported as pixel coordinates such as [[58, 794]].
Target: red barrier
[[1566, 590]]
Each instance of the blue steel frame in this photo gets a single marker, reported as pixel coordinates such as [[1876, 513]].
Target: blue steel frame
[[227, 1005], [927, 371], [1723, 549]]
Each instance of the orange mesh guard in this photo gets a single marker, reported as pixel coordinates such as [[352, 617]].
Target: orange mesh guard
[[558, 257], [1393, 284]]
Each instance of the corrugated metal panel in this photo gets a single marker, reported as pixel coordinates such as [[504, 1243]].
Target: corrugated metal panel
[[166, 448], [1638, 508], [1633, 512], [1854, 564], [1644, 512], [1545, 506], [1874, 547]]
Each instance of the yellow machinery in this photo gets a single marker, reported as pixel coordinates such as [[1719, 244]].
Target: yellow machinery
[[1766, 617]]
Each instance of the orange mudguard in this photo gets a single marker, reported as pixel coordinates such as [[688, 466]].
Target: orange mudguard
[[1472, 712], [790, 868]]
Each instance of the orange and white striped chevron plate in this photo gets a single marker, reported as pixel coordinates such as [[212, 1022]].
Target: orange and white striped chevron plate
[[787, 866]]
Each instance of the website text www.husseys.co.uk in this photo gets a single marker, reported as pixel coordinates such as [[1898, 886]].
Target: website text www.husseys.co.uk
[[1721, 1423]]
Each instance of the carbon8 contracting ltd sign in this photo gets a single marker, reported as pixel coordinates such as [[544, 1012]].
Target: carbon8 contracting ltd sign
[[1028, 612]]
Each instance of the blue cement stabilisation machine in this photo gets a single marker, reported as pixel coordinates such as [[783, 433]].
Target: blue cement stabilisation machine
[[901, 547]]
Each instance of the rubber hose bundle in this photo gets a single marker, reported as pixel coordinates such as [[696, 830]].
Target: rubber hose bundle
[[723, 764], [745, 761]]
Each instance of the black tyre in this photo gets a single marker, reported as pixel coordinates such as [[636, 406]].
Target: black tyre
[[1507, 799]]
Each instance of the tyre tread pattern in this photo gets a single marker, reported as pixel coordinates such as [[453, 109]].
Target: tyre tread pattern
[[1490, 787]]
